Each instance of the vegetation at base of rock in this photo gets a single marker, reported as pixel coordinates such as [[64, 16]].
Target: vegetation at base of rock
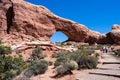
[[99, 47], [5, 50], [37, 50], [82, 57], [17, 51], [60, 61], [36, 67], [37, 54], [87, 61], [11, 67], [0, 41]]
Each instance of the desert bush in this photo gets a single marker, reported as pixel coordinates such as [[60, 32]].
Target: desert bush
[[90, 51], [36, 67], [17, 51], [5, 49], [81, 56], [65, 68], [37, 50], [67, 55], [10, 67], [72, 65], [37, 54], [50, 63], [60, 61], [87, 61], [57, 55], [99, 47], [87, 49]]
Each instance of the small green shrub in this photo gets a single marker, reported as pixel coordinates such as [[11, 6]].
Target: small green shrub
[[65, 68], [5, 49], [35, 68], [50, 63], [57, 55], [73, 65], [81, 56], [10, 67], [0, 41], [37, 54], [99, 47], [88, 50], [17, 51], [89, 62], [60, 61], [61, 70], [37, 50]]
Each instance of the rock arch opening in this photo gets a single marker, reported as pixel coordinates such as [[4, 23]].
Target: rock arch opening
[[59, 37]]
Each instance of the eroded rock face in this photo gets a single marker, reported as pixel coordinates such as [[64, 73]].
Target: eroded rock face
[[115, 34], [5, 6], [21, 21], [24, 21], [112, 37], [40, 23], [93, 37], [105, 39]]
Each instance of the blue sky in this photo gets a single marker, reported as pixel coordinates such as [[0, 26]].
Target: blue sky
[[97, 15]]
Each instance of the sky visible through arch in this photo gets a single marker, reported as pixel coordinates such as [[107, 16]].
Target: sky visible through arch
[[97, 15]]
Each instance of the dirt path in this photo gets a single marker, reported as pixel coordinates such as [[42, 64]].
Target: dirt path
[[109, 69]]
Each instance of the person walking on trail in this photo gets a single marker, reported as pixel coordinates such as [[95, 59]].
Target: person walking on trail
[[105, 49]]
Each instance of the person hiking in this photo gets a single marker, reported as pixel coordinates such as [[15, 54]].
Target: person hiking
[[105, 49]]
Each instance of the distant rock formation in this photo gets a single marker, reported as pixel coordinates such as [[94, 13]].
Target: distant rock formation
[[115, 34], [112, 37], [21, 21]]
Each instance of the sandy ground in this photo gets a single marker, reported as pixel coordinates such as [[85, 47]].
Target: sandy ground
[[83, 74], [77, 74]]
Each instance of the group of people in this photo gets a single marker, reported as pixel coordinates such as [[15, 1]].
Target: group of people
[[105, 49]]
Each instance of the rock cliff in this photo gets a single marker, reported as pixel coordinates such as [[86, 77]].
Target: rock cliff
[[23, 21]]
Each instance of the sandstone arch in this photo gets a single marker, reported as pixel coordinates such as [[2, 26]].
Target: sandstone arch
[[31, 21]]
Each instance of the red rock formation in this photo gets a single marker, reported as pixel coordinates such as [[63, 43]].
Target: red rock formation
[[112, 37], [115, 34], [22, 21], [105, 39], [5, 6]]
